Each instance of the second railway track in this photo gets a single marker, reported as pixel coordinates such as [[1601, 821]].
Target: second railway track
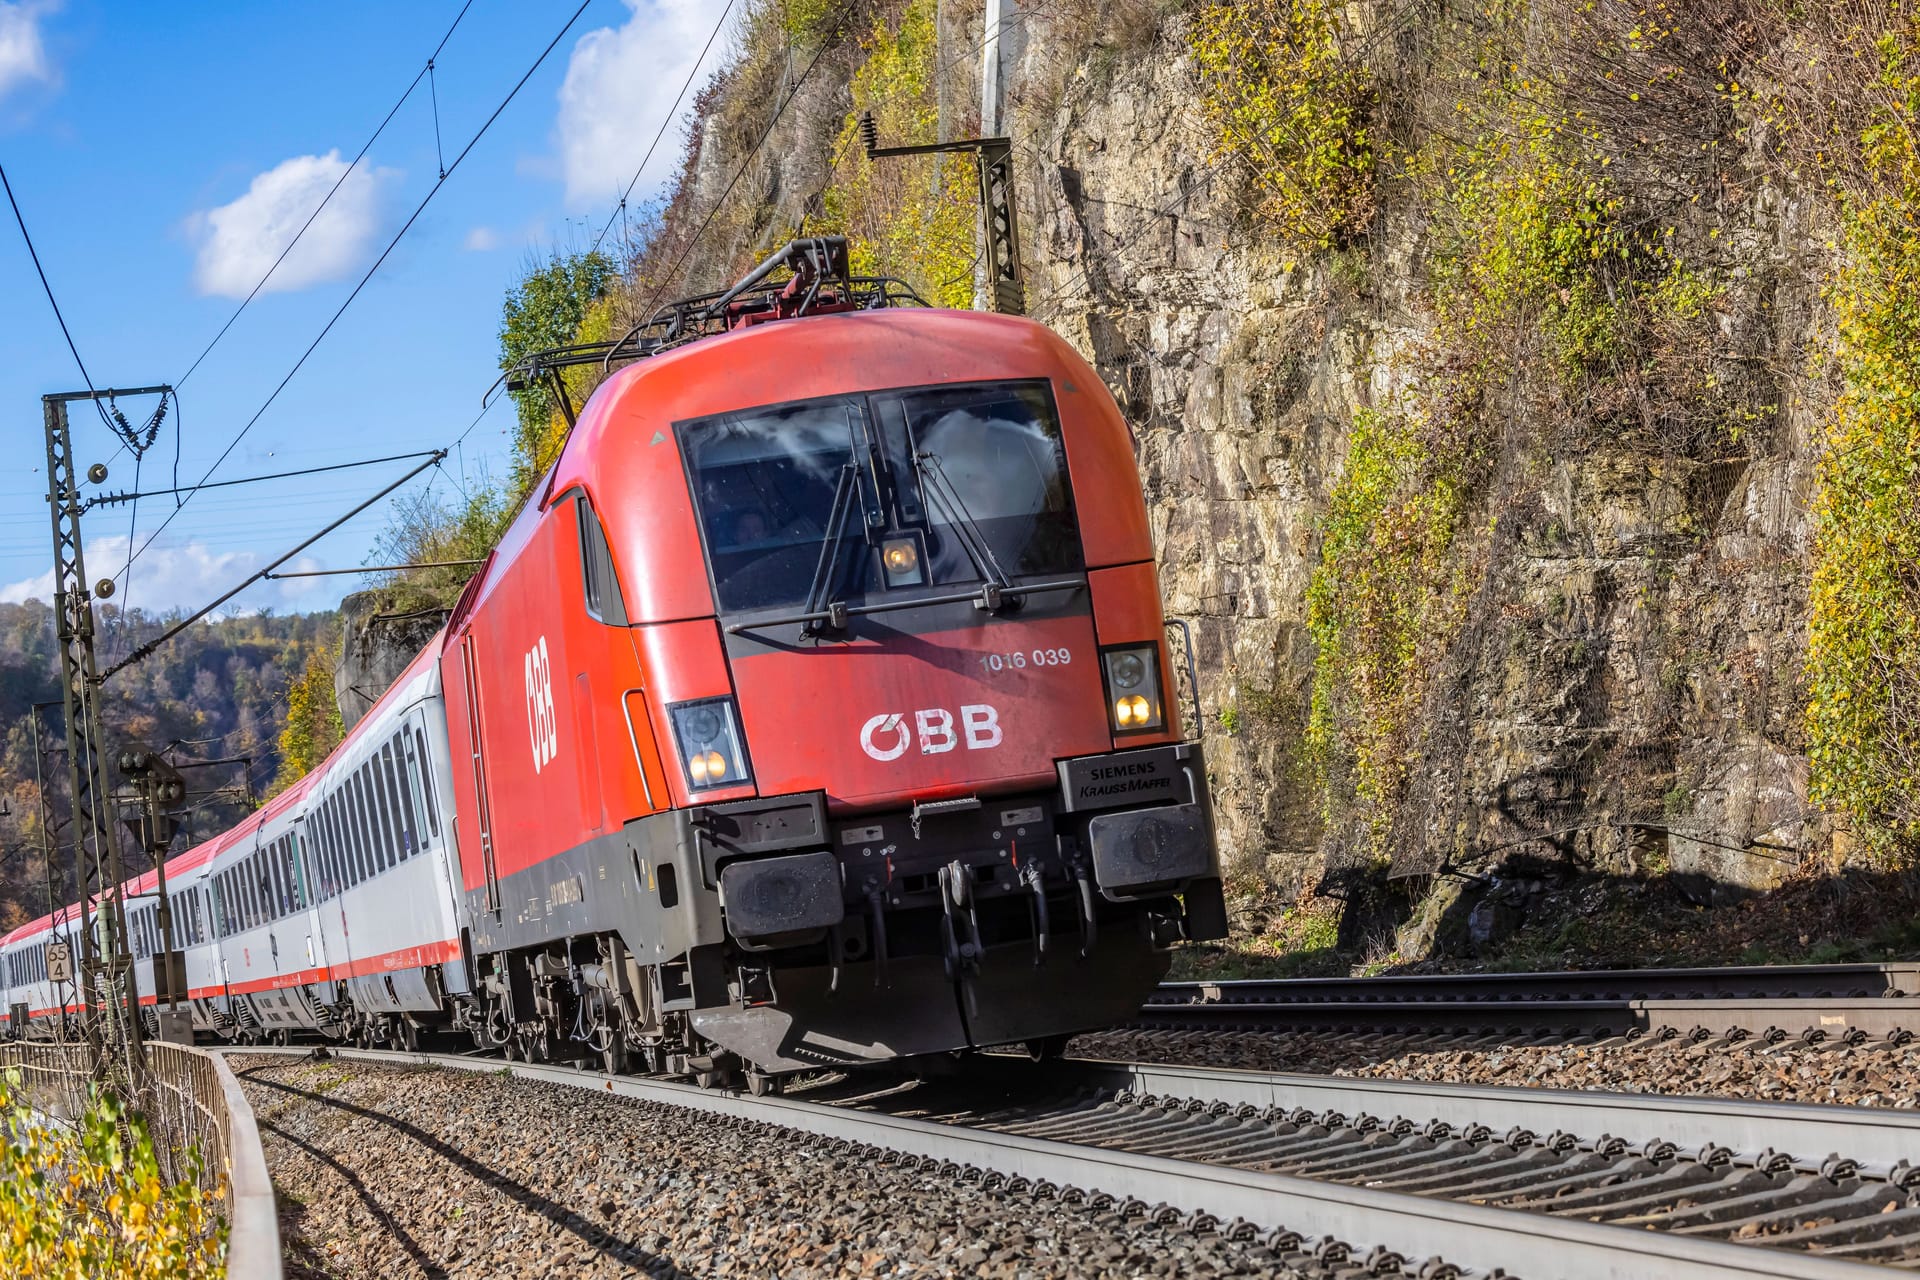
[[1813, 1003], [1371, 1177]]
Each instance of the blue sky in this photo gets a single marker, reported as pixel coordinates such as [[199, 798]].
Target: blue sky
[[164, 154]]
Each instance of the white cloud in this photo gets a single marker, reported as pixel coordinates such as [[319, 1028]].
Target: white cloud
[[482, 240], [239, 241], [23, 55], [182, 575], [621, 82]]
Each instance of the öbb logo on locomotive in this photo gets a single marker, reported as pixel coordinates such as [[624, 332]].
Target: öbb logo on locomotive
[[935, 730], [871, 751], [542, 724]]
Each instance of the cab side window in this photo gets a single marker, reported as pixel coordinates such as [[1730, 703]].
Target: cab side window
[[596, 565]]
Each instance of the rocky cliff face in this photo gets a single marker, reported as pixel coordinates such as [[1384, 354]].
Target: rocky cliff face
[[1625, 689], [376, 644]]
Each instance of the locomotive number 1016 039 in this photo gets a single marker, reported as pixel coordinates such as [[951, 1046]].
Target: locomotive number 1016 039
[[1021, 659]]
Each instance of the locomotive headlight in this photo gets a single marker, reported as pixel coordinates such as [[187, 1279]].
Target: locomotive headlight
[[1133, 687], [901, 561], [708, 735]]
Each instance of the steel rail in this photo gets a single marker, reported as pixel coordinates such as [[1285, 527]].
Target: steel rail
[[1813, 1003], [1740, 982], [1883, 1142], [1384, 1226], [1896, 1021]]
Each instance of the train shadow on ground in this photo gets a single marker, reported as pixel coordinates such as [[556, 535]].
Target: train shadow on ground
[[596, 1237]]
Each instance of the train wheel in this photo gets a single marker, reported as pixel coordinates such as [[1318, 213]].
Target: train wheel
[[1047, 1048], [406, 1034], [283, 1038], [761, 1085]]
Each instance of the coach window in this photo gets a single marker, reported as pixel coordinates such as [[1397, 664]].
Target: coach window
[[369, 824], [402, 799], [356, 832], [390, 780], [390, 852], [369, 819], [329, 848], [405, 756], [317, 844], [596, 565], [369, 829], [342, 846], [390, 806], [344, 820], [369, 835], [273, 878], [426, 783]]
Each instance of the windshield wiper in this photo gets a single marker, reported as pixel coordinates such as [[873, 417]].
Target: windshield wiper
[[824, 570], [967, 532]]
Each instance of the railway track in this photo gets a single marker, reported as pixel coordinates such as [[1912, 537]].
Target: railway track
[[1854, 1003], [1383, 1178]]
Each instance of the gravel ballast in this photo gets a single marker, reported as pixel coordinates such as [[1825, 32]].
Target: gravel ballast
[[1871, 1075], [388, 1172]]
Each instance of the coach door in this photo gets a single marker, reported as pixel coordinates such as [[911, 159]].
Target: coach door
[[483, 811]]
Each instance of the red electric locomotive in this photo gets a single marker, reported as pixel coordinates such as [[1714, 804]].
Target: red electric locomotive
[[816, 708]]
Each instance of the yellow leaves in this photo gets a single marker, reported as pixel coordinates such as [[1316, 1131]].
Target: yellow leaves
[[1291, 111], [80, 1202]]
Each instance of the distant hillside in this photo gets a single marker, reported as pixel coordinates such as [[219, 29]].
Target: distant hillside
[[217, 691]]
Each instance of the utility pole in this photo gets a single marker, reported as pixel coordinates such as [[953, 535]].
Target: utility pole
[[991, 94], [109, 1003], [46, 805]]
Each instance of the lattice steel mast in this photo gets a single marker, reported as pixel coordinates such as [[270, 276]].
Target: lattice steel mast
[[110, 1010]]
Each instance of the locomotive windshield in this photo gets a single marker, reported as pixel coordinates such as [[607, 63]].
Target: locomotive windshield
[[856, 495]]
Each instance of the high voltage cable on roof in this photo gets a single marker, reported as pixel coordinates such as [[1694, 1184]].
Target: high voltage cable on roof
[[691, 73], [331, 191], [432, 191]]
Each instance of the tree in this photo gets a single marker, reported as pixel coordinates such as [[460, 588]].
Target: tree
[[548, 308]]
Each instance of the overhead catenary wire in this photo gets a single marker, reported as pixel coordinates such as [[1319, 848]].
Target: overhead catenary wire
[[665, 123], [47, 287], [148, 647], [385, 253], [111, 498], [407, 93]]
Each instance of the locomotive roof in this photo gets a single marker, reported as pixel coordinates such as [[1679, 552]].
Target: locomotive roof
[[807, 357]]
